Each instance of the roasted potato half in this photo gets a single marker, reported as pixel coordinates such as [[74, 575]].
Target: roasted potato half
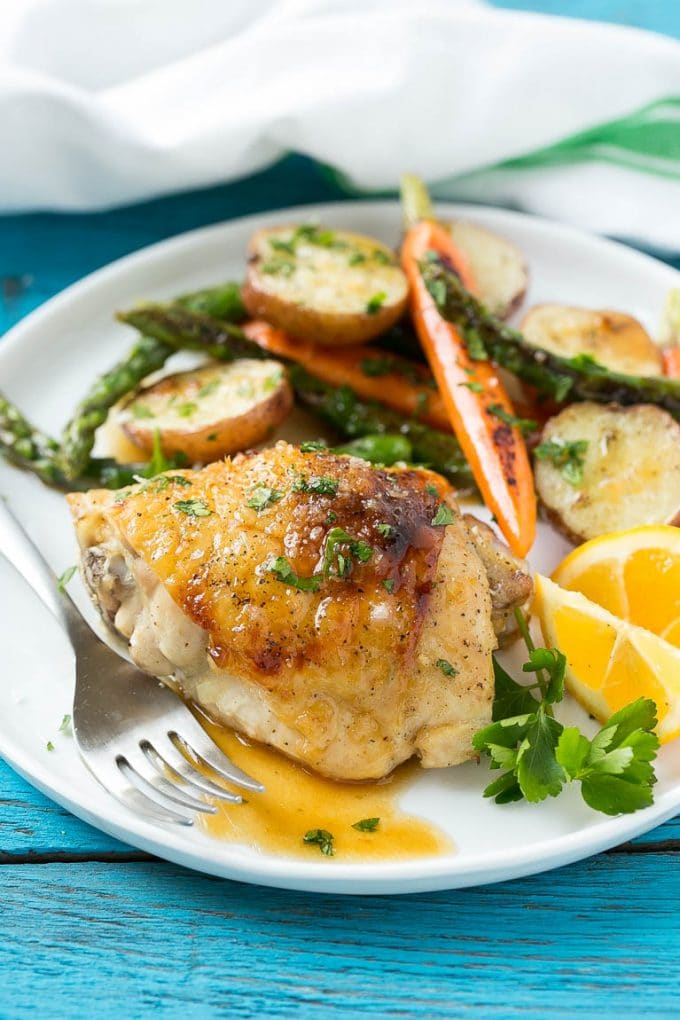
[[602, 468], [614, 339], [328, 286], [497, 265], [211, 411]]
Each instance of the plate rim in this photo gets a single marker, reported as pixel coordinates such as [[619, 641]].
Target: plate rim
[[382, 877]]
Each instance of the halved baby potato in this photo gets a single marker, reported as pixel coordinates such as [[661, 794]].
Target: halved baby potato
[[497, 265], [614, 339], [602, 468], [211, 411], [328, 286]]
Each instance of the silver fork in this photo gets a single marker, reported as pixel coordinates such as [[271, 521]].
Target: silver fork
[[129, 728]]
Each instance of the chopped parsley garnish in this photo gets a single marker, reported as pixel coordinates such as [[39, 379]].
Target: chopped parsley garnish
[[264, 497], [388, 585], [193, 507], [443, 516], [437, 289], [319, 485], [278, 245], [280, 267], [331, 517], [212, 437], [165, 480], [325, 239], [314, 234], [356, 259], [474, 386], [65, 724], [336, 539], [186, 409], [366, 824], [432, 490], [473, 341], [422, 400], [588, 363], [50, 745], [282, 571], [386, 364], [385, 529], [321, 838], [523, 424], [380, 365], [568, 456], [159, 462], [313, 446], [447, 669], [374, 304], [382, 258], [271, 382], [540, 755], [64, 579], [208, 388], [141, 411]]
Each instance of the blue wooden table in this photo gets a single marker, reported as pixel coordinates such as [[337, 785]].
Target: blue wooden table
[[91, 927]]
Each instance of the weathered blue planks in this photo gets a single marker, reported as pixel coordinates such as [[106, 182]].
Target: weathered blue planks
[[599, 939]]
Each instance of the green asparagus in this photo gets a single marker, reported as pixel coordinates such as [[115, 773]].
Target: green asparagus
[[182, 328], [386, 448], [26, 446], [146, 356], [339, 406], [579, 378], [223, 302], [353, 417]]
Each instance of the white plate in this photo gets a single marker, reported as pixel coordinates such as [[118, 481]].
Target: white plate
[[49, 359]]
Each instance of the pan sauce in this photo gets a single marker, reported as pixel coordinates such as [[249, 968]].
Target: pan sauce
[[296, 801]]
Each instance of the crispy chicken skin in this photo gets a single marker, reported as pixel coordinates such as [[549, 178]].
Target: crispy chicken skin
[[389, 654]]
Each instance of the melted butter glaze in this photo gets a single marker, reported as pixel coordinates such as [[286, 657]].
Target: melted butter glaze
[[296, 800]]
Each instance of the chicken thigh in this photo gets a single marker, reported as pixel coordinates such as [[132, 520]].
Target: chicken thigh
[[336, 611]]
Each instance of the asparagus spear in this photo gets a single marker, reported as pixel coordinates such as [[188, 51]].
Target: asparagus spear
[[384, 448], [354, 418], [26, 446], [146, 356], [339, 406], [223, 302], [579, 378], [181, 328]]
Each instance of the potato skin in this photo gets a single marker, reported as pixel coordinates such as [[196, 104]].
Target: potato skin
[[323, 297], [617, 340], [215, 431], [631, 470], [498, 266]]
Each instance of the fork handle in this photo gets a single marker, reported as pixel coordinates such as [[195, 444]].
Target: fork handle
[[19, 550]]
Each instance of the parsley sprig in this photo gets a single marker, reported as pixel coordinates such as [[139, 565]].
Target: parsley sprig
[[321, 838], [567, 455], [540, 755], [341, 549]]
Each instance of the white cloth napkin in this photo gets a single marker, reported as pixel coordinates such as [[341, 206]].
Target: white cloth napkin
[[104, 102]]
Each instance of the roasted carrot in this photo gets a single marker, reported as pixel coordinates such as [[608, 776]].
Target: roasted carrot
[[478, 407], [671, 362], [372, 373]]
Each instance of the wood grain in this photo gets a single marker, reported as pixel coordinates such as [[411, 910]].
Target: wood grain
[[126, 937]]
